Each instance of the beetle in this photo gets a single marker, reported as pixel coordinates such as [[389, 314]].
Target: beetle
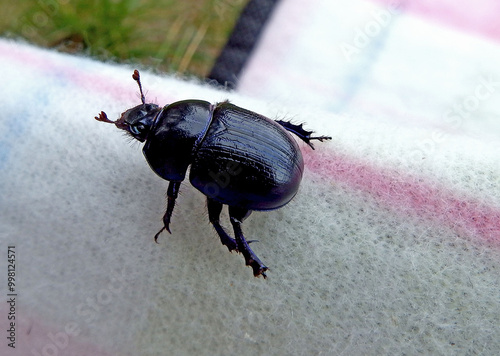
[[237, 158]]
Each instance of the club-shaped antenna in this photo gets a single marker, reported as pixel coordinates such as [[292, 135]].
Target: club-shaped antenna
[[137, 78], [120, 123]]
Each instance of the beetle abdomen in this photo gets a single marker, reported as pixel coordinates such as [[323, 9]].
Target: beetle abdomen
[[247, 160]]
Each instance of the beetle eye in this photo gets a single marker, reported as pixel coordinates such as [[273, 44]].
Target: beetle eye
[[137, 129]]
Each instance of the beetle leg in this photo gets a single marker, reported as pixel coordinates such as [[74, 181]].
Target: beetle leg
[[172, 192], [299, 131], [237, 215], [214, 210]]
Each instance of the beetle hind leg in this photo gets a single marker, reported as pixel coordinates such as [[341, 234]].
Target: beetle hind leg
[[237, 215], [214, 210], [299, 131]]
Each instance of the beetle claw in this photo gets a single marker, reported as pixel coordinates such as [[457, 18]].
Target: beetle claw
[[320, 138], [260, 271], [158, 234], [258, 267]]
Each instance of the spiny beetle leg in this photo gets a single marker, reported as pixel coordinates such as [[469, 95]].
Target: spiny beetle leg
[[237, 215], [299, 131], [214, 210], [172, 193]]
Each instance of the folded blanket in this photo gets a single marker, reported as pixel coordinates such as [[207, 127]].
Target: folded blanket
[[391, 246]]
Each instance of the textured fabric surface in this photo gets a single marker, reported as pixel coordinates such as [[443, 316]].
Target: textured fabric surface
[[391, 246]]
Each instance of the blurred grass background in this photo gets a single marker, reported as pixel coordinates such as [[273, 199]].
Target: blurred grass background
[[167, 35]]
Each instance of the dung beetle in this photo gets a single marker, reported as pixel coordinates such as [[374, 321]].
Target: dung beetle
[[238, 158]]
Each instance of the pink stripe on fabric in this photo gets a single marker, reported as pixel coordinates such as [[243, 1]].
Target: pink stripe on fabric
[[411, 195], [480, 16], [70, 71]]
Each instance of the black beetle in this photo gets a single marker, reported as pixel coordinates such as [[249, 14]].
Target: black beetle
[[238, 158]]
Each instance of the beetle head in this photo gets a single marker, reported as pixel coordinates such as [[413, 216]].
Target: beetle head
[[138, 120]]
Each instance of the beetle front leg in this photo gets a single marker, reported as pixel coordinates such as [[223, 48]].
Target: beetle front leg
[[214, 210], [172, 192], [237, 215]]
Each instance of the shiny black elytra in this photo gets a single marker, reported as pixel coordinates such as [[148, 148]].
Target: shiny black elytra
[[238, 158]]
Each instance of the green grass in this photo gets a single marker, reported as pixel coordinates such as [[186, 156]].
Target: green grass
[[167, 35]]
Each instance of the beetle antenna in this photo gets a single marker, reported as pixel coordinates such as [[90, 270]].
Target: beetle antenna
[[137, 78], [104, 118]]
